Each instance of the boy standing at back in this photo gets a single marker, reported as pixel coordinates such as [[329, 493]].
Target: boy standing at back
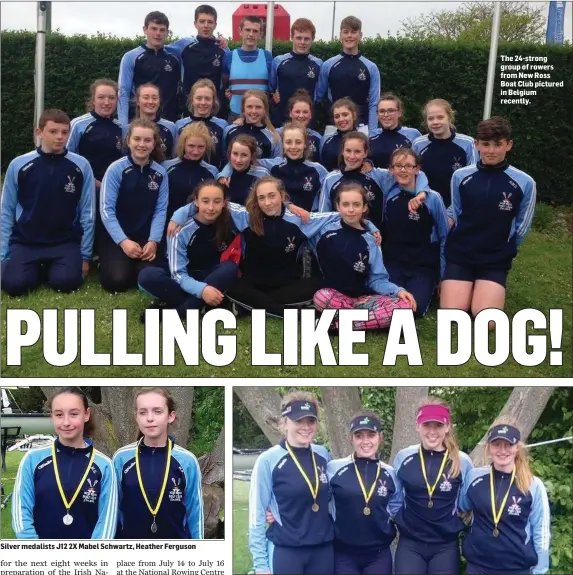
[[351, 75], [247, 67]]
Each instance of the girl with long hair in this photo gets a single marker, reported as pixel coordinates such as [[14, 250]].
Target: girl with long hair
[[67, 490], [433, 474], [133, 207], [255, 121], [160, 495], [203, 106], [290, 480], [510, 529], [196, 276]]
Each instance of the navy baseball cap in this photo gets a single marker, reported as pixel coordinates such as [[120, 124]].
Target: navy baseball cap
[[365, 422], [508, 432], [296, 410]]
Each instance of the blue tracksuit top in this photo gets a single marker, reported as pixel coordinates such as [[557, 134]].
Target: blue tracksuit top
[[441, 158], [38, 509], [99, 140], [194, 249], [277, 484], [355, 532], [383, 142], [416, 240], [524, 527], [314, 139], [48, 199], [415, 520], [183, 176], [291, 72], [144, 65], [351, 262], [180, 514], [268, 145], [492, 209], [302, 178], [133, 201], [354, 77], [201, 58], [240, 183], [216, 127], [331, 148]]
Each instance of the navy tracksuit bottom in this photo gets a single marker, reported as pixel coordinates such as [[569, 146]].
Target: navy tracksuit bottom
[[157, 282], [314, 560], [377, 562], [427, 558], [29, 266], [421, 282], [473, 569]]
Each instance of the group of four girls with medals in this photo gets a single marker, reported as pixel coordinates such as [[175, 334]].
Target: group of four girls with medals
[[309, 514], [70, 490]]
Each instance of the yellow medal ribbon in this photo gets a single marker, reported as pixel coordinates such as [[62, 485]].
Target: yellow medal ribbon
[[432, 488], [68, 519], [368, 496], [153, 510], [497, 514], [313, 490]]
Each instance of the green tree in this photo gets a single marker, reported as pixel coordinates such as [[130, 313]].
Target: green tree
[[520, 22]]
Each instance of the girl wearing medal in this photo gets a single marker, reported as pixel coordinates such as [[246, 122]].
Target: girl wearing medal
[[510, 530], [160, 495], [67, 490], [290, 480], [366, 494], [432, 475]]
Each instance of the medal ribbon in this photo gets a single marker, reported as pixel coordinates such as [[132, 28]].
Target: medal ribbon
[[432, 488], [313, 490], [152, 510], [368, 496], [67, 504], [497, 515]]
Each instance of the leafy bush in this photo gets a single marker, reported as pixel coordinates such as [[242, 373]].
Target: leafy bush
[[415, 70]]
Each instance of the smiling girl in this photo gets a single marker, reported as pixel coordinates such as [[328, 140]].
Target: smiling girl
[[160, 495], [133, 206], [290, 480], [67, 490], [366, 495], [432, 475], [510, 530]]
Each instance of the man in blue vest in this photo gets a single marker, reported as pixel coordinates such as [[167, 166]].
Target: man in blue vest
[[247, 67]]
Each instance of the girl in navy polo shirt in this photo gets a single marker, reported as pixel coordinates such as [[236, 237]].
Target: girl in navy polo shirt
[[133, 206], [510, 531], [290, 480], [160, 495], [67, 490], [366, 495], [432, 475]]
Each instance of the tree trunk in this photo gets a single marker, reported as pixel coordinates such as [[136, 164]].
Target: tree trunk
[[525, 405], [340, 404], [264, 405], [407, 401], [213, 464]]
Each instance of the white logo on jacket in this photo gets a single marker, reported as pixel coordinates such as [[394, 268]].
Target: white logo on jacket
[[128, 468], [413, 216], [323, 478], [70, 187], [445, 485], [307, 187], [514, 508], [152, 185], [90, 495], [290, 248], [457, 164], [217, 60], [118, 144], [310, 73], [362, 75], [382, 489], [370, 195], [168, 67], [311, 146], [214, 138], [360, 265], [505, 205], [176, 494]]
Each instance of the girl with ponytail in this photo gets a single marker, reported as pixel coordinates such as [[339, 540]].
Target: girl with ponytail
[[510, 529], [432, 475], [66, 490]]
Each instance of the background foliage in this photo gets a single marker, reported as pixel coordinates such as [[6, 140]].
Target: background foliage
[[415, 70]]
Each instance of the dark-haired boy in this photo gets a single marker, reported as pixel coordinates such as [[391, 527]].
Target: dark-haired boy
[[48, 213], [351, 75], [150, 63]]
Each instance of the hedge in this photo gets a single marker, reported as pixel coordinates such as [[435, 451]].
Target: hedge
[[417, 71]]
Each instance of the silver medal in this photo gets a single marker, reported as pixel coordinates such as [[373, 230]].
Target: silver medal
[[68, 519], [154, 527]]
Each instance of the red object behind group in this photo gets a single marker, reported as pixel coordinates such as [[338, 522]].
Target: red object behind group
[[281, 29]]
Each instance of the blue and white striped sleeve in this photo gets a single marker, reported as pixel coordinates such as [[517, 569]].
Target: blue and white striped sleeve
[[373, 96], [378, 278], [540, 520], [438, 210], [322, 201], [226, 172], [9, 203], [397, 499], [194, 499], [86, 211], [239, 215], [455, 208], [178, 260], [125, 82], [322, 84], [260, 495], [160, 213], [182, 214], [117, 463], [23, 499], [108, 201], [107, 504], [526, 211], [273, 79], [75, 135]]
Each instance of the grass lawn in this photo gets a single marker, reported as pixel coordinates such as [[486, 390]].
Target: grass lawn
[[8, 479], [242, 560], [540, 279]]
